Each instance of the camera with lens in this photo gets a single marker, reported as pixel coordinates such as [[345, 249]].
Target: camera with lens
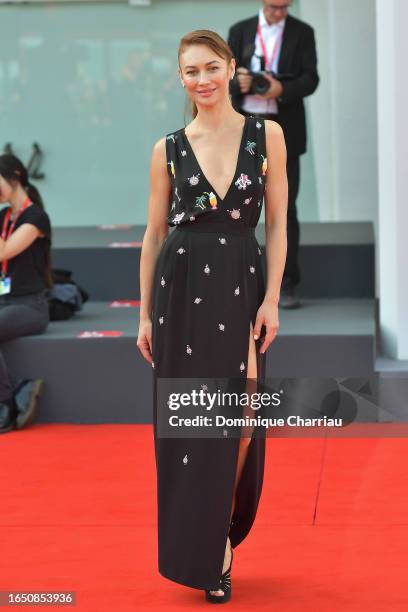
[[260, 85]]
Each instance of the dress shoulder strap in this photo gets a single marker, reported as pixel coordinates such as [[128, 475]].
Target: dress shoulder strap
[[171, 154], [257, 135]]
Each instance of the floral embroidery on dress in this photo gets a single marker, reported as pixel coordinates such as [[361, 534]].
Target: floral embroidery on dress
[[243, 181], [162, 282], [198, 300], [176, 193], [207, 269], [221, 326], [173, 206], [222, 240], [242, 366], [184, 152], [188, 349], [161, 319], [258, 125], [180, 251], [247, 201], [252, 269], [192, 218], [235, 213], [193, 180], [264, 165], [171, 137], [185, 459], [250, 147], [236, 292], [259, 251], [178, 217]]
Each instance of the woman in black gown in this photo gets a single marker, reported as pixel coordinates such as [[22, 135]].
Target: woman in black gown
[[206, 310]]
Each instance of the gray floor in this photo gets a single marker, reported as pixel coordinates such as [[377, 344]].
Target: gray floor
[[389, 365]]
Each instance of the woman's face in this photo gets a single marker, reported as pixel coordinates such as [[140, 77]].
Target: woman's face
[[5, 190], [205, 75]]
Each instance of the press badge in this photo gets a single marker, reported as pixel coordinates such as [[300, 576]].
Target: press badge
[[5, 285]]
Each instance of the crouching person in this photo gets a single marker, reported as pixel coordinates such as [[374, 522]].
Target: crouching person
[[25, 247]]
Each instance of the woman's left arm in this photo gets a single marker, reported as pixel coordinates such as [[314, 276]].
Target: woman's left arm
[[19, 241], [276, 205]]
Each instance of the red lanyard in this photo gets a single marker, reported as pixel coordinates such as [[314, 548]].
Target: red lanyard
[[6, 233], [274, 51]]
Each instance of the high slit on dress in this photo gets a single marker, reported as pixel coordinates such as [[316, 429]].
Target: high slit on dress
[[208, 286]]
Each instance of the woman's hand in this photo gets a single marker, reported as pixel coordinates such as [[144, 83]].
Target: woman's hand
[[267, 315], [144, 339]]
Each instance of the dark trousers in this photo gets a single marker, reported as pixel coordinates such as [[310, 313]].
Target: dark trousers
[[19, 316], [293, 232], [291, 270]]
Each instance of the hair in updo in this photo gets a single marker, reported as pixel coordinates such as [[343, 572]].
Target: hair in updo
[[12, 169], [210, 39]]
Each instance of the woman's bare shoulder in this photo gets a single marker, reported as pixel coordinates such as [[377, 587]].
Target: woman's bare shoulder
[[159, 147], [159, 155], [273, 129]]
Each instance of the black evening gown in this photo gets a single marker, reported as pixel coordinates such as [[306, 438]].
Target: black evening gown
[[208, 286]]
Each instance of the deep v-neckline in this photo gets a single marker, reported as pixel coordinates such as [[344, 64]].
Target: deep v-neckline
[[244, 129]]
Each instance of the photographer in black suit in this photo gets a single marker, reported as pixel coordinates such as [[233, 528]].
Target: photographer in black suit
[[284, 47]]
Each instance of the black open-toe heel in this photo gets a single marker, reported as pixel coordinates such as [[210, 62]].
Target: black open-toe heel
[[225, 585]]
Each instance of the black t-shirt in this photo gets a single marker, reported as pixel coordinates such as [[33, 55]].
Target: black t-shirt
[[28, 270]]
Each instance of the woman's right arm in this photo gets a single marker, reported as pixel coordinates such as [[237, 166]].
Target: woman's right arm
[[154, 236]]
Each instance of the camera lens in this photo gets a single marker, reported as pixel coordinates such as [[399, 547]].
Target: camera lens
[[260, 84]]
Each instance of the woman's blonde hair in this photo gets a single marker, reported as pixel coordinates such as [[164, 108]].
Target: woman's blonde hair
[[210, 39]]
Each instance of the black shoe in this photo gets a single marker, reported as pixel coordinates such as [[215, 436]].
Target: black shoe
[[8, 414], [225, 586], [26, 397], [288, 298]]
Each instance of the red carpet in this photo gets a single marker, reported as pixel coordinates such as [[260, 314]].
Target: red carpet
[[78, 512]]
